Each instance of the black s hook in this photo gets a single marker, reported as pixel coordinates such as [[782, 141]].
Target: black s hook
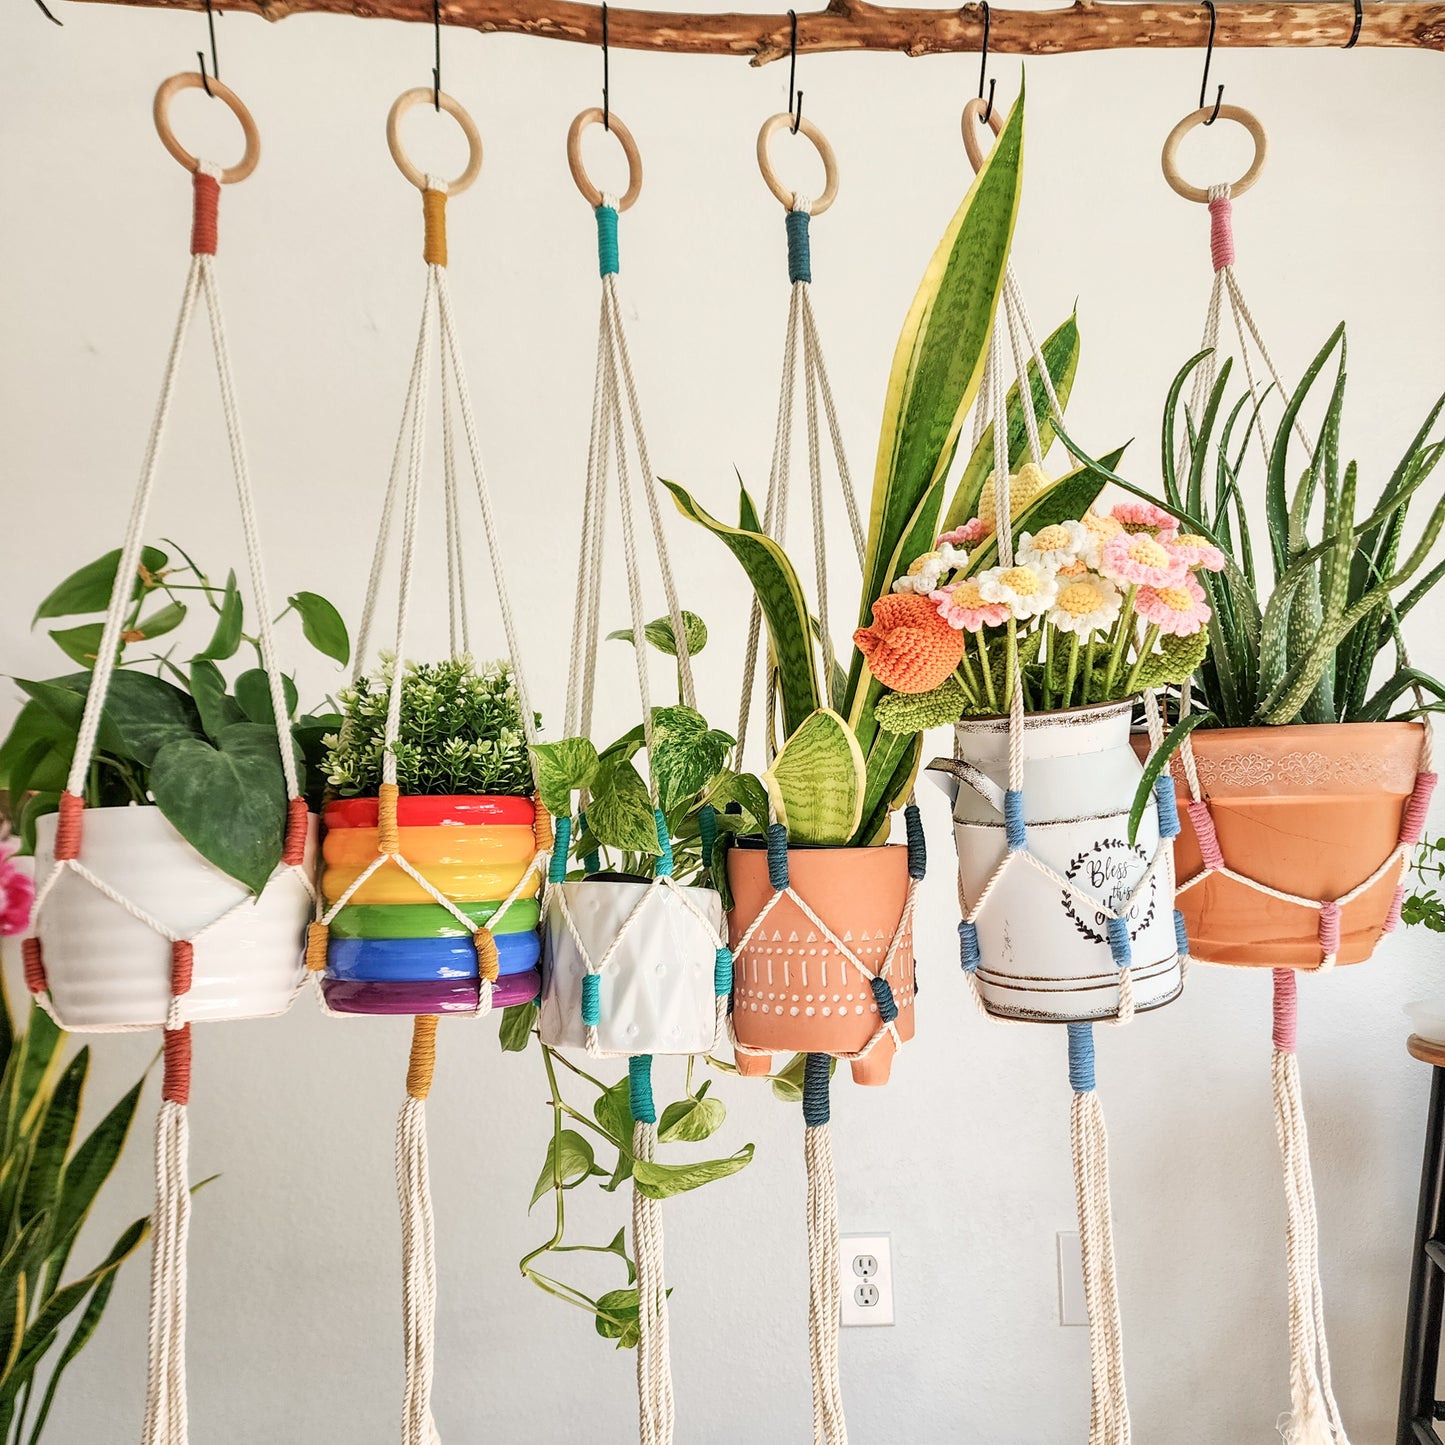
[[795, 96], [436, 70], [1349, 44], [45, 11], [1208, 56], [983, 68], [606, 77], [200, 55]]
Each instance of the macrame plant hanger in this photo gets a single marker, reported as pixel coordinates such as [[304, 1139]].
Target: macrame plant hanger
[[616, 411], [1109, 1407], [166, 1411], [437, 330], [824, 1275], [1314, 1414]]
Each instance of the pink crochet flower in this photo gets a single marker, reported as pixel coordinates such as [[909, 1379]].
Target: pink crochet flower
[[1196, 552], [963, 606], [17, 892], [1141, 559], [967, 535], [1178, 610], [1136, 515]]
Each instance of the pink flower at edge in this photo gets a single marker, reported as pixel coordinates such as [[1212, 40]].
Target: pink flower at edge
[[1178, 610], [971, 532], [962, 607], [17, 892], [1141, 560], [1136, 513], [1195, 552]]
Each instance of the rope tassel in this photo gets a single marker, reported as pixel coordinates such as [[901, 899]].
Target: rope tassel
[[1314, 1417], [829, 1426], [418, 1239], [655, 1413], [1108, 1404]]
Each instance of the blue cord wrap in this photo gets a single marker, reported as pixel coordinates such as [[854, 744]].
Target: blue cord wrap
[[592, 999], [917, 843], [968, 954], [1013, 821], [1120, 946], [591, 863], [664, 843], [815, 1090], [800, 259], [1167, 801], [607, 241], [561, 842], [1081, 1058], [639, 1089], [1181, 935], [777, 856], [707, 832], [883, 992], [722, 971]]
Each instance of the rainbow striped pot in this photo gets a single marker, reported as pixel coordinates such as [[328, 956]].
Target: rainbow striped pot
[[394, 950]]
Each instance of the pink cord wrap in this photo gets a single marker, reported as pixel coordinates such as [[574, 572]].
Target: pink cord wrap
[[34, 965], [1330, 928], [1286, 1010], [1209, 849], [1221, 232], [1412, 825], [1392, 918]]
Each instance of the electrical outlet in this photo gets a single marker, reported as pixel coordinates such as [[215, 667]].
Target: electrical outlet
[[1073, 1309], [865, 1268]]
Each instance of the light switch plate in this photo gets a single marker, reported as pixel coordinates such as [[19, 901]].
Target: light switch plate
[[865, 1267]]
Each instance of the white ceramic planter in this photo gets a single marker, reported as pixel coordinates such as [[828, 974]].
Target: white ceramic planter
[[106, 968], [657, 990], [1045, 956]]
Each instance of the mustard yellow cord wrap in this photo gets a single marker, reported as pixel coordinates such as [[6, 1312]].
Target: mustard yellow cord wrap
[[422, 1064], [316, 939], [388, 835], [488, 960], [541, 825], [434, 209]]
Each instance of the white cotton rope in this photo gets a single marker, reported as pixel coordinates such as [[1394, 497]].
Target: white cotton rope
[[829, 1426], [418, 1273], [165, 1412], [655, 1412]]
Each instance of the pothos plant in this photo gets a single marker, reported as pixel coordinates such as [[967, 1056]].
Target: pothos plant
[[175, 732], [593, 1139]]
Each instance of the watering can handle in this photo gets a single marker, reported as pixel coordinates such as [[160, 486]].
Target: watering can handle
[[976, 778]]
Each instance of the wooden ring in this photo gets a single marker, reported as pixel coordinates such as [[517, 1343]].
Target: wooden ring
[[423, 94], [771, 127], [973, 114], [1236, 113], [590, 193], [191, 80]]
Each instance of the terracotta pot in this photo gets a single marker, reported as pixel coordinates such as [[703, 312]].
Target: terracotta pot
[[1311, 809], [793, 992], [106, 969]]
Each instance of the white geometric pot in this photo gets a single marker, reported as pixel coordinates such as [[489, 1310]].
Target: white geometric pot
[[657, 991], [1044, 955], [105, 968]]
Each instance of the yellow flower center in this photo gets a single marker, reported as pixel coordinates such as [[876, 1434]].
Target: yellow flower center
[[1102, 527], [1076, 568], [966, 594], [1176, 599], [1078, 599], [1051, 539], [1148, 553], [1022, 580], [916, 570], [1188, 539]]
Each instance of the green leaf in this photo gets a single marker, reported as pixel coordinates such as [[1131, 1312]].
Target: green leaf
[[620, 812], [36, 726], [899, 712], [662, 1181], [691, 1120], [518, 1021], [569, 1161], [322, 625], [229, 801], [749, 794], [80, 1337], [142, 713], [563, 768], [660, 634], [161, 621], [788, 1081], [253, 693], [617, 1318], [89, 589], [686, 754], [80, 644], [817, 780], [1158, 761], [53, 1134], [227, 636], [218, 709], [784, 607], [1174, 662], [613, 1111]]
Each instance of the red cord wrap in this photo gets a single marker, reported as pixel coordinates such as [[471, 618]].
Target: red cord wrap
[[294, 852], [1203, 822], [176, 1084], [1286, 1010], [1392, 918], [183, 963], [1412, 825], [205, 202], [1330, 928], [67, 827], [1221, 232], [34, 965]]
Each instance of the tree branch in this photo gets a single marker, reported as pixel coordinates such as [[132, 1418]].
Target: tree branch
[[859, 25]]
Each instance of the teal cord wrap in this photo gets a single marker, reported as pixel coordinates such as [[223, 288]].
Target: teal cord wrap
[[968, 954], [591, 863], [592, 999], [917, 843], [883, 994], [800, 257], [1167, 801], [816, 1108], [707, 832], [607, 241], [778, 856], [561, 842], [722, 971], [1081, 1058], [639, 1089], [664, 843]]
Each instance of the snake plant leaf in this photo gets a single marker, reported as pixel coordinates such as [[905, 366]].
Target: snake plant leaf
[[322, 626], [916, 712], [686, 754], [563, 768], [1061, 357], [53, 1135], [817, 780], [659, 633], [620, 812], [1158, 761], [888, 794], [570, 1159], [938, 365], [89, 589], [227, 636], [784, 607], [228, 801], [662, 1181], [27, 1077]]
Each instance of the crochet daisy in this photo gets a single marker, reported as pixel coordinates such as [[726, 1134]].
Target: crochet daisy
[[972, 531], [1140, 559], [1085, 606], [1026, 589], [1100, 529], [922, 577], [964, 606], [1055, 546], [1177, 610], [1137, 515], [954, 559], [1196, 552]]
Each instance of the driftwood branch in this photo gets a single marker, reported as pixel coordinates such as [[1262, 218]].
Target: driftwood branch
[[859, 25]]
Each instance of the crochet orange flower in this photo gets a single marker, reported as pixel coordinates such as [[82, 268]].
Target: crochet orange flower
[[909, 647]]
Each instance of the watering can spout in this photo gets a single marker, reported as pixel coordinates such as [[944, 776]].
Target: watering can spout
[[951, 773]]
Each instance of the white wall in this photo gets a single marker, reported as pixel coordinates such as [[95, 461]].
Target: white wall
[[964, 1158]]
